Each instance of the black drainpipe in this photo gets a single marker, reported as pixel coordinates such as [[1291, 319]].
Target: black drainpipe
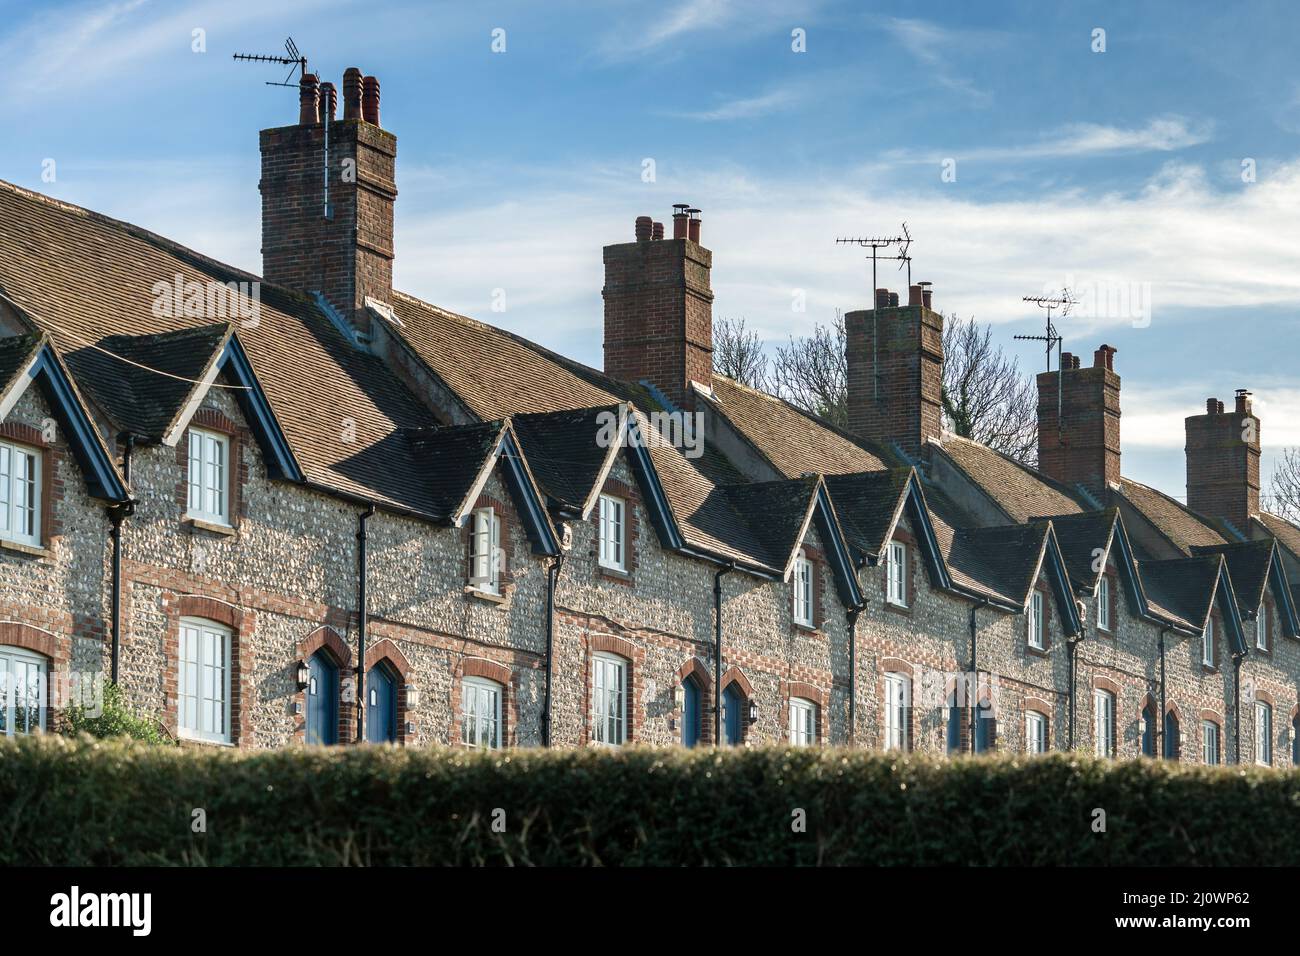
[[1071, 655], [552, 577], [363, 613], [973, 695], [116, 515], [717, 652], [1236, 706], [1160, 720], [852, 616]]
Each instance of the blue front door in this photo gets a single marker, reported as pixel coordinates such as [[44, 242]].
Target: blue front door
[[322, 700], [1149, 732], [691, 713], [381, 717], [732, 703]]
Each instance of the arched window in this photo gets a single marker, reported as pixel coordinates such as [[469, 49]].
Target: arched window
[[22, 691], [480, 713], [1263, 733], [381, 705], [690, 712], [1035, 732], [322, 699]]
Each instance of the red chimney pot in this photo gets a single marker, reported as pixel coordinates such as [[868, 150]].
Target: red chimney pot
[[370, 100], [351, 94], [308, 100]]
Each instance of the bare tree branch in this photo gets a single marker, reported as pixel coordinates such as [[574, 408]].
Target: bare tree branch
[[985, 395], [1285, 500], [738, 353]]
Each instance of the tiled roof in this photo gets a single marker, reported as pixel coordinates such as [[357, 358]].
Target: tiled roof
[[774, 512], [794, 441], [866, 503], [84, 277], [1182, 527], [1019, 491], [139, 401], [1181, 588], [458, 454], [1081, 536], [1285, 532], [1003, 560], [15, 352], [1248, 565], [563, 449]]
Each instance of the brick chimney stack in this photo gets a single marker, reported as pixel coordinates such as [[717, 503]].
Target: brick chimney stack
[[895, 370], [1079, 445], [343, 251], [1223, 461], [659, 307]]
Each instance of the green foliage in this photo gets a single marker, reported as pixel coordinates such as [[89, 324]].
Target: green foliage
[[85, 802], [117, 718]]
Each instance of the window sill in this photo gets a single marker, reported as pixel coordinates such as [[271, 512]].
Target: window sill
[[897, 608], [1208, 669], [184, 741], [618, 574], [1038, 651], [478, 594], [801, 627], [32, 551], [198, 524]]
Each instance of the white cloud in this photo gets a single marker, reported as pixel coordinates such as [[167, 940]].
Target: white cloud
[[723, 19], [747, 107], [935, 47]]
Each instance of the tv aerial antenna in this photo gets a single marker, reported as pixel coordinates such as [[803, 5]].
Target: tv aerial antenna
[[296, 60], [292, 58], [1063, 302], [875, 244]]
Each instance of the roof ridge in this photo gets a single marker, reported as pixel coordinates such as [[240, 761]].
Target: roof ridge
[[140, 232]]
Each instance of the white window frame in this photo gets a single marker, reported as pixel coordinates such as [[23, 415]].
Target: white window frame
[[208, 476], [1209, 742], [1207, 642], [20, 494], [1261, 627], [609, 703], [1036, 623], [613, 533], [1263, 733], [803, 722], [1103, 604], [803, 590], [1103, 722], [199, 674], [18, 668], [898, 702], [1035, 732], [485, 544], [896, 573], [480, 713]]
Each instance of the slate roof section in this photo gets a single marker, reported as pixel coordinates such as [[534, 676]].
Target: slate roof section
[[1287, 534], [1182, 589], [1081, 537], [867, 503], [792, 440], [458, 454], [81, 276], [1003, 561], [139, 401], [16, 353], [775, 512], [564, 451], [1248, 565]]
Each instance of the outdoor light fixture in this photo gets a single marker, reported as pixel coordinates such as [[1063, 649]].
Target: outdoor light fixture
[[303, 675], [412, 695], [753, 711], [679, 697]]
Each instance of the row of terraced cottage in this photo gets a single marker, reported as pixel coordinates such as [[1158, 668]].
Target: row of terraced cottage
[[227, 510]]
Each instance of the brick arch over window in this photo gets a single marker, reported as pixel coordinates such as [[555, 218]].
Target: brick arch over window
[[242, 625], [1213, 717], [14, 634], [193, 605], [498, 673], [798, 688], [1105, 683], [1265, 696], [896, 665]]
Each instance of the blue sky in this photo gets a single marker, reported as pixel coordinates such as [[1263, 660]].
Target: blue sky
[[1117, 172]]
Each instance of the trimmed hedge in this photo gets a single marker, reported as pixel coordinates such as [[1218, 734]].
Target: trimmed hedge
[[88, 802]]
